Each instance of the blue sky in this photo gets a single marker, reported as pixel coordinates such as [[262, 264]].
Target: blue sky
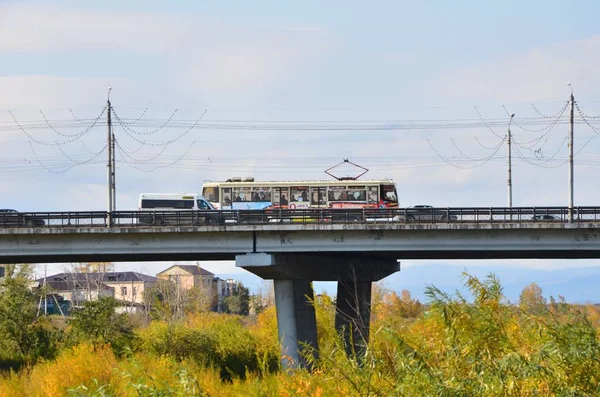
[[305, 62]]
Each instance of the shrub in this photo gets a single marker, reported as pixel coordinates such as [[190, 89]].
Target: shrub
[[219, 341], [98, 323], [83, 364]]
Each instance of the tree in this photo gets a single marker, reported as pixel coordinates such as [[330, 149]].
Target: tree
[[170, 302], [239, 301], [98, 322], [86, 280], [404, 306], [19, 324], [532, 300]]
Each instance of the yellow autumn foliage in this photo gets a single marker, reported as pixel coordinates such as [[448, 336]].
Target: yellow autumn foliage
[[80, 365]]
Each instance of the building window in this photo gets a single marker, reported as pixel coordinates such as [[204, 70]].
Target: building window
[[123, 291], [2, 274], [134, 291]]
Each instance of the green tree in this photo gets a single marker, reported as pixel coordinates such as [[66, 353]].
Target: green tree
[[239, 301], [98, 322], [20, 329]]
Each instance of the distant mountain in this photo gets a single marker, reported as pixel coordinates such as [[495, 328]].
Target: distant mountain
[[577, 285]]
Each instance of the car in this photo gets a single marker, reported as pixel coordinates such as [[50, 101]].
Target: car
[[545, 218], [14, 218], [177, 209], [424, 212]]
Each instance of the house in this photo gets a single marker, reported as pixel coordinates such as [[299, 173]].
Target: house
[[77, 288], [129, 286], [189, 276], [193, 276]]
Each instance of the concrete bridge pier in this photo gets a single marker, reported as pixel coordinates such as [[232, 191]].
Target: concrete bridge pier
[[296, 321], [353, 314]]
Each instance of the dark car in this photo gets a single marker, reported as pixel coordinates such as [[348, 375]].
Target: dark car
[[13, 218], [428, 213], [546, 218]]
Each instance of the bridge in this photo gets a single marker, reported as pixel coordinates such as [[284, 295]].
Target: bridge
[[294, 248]]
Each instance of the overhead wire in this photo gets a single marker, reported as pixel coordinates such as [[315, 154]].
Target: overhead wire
[[127, 155], [79, 134], [62, 171], [46, 143], [158, 166], [126, 129], [152, 132]]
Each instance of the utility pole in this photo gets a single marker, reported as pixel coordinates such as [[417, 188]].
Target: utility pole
[[45, 290], [509, 136], [114, 170], [571, 165], [110, 162]]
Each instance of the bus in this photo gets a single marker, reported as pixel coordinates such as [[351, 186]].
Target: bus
[[162, 206], [248, 194]]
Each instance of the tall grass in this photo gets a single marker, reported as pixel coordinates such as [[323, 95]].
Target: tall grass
[[450, 347]]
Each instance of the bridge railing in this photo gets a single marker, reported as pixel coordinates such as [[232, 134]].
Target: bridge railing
[[139, 219]]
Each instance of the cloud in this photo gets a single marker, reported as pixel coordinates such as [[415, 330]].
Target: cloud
[[203, 55], [38, 28], [55, 92], [540, 74]]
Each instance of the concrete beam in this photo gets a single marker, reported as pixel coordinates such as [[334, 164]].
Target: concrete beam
[[388, 241], [317, 267]]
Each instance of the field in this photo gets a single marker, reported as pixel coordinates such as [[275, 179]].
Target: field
[[448, 346]]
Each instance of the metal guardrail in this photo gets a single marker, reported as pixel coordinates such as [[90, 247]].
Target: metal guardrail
[[307, 216]]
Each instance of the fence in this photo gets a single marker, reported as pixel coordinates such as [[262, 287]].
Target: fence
[[302, 216]]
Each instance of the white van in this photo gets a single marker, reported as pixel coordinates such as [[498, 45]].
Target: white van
[[172, 208]]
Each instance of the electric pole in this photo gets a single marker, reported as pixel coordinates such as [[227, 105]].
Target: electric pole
[[114, 170], [45, 290], [509, 136], [571, 165], [110, 163]]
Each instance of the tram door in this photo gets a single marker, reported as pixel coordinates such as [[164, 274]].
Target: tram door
[[318, 197]]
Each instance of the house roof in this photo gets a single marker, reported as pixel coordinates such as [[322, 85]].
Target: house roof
[[107, 277], [67, 284], [191, 269]]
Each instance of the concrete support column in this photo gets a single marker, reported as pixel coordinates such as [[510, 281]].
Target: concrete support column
[[353, 314], [296, 321], [293, 274]]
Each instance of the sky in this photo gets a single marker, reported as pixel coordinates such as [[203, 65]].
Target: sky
[[412, 81]]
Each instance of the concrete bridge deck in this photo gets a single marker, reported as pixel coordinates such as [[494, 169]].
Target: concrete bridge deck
[[455, 240]]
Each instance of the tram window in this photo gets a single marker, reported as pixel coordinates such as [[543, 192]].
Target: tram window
[[388, 193], [211, 194], [338, 193], [242, 194], [261, 194], [299, 194], [227, 196], [357, 193], [373, 195], [280, 196], [318, 195]]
